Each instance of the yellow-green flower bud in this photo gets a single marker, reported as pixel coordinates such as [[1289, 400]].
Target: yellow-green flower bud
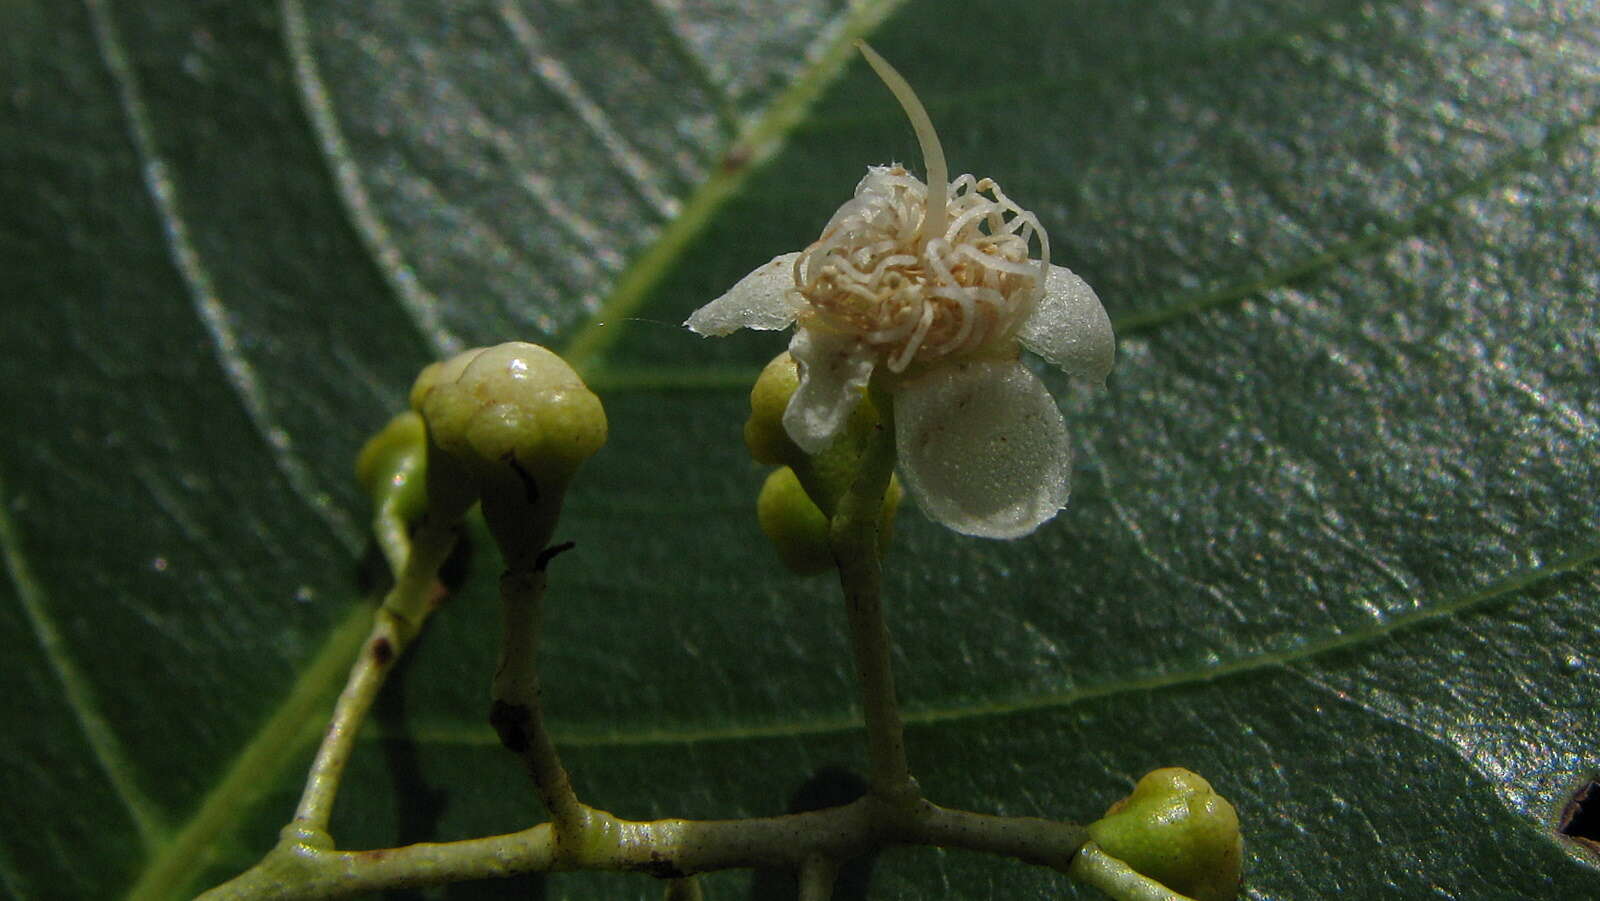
[[391, 460], [798, 530], [764, 433], [443, 372], [515, 405], [519, 420], [825, 475], [392, 470], [452, 489], [1175, 829], [794, 525]]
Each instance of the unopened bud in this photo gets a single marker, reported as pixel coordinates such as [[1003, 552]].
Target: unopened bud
[[764, 433], [519, 422], [515, 405], [391, 463], [441, 372], [1175, 829], [798, 530], [826, 475], [392, 469]]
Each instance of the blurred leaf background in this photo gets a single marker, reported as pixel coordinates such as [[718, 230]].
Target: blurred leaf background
[[1333, 540]]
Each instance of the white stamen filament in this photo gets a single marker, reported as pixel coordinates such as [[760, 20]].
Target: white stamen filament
[[954, 290], [995, 261], [1034, 228], [901, 360]]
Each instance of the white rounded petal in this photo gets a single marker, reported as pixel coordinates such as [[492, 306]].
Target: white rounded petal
[[983, 448], [765, 299], [1070, 328], [834, 370]]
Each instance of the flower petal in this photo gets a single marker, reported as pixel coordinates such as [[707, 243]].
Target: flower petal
[[765, 299], [983, 448], [834, 370], [1070, 328]]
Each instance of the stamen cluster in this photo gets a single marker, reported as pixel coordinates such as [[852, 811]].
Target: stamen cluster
[[875, 276]]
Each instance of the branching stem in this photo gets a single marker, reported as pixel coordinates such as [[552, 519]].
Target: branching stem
[[671, 848], [306, 864]]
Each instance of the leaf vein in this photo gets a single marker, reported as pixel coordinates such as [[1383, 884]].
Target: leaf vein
[[80, 697], [556, 77], [722, 103], [1501, 589], [163, 190], [414, 298], [295, 724], [1375, 236]]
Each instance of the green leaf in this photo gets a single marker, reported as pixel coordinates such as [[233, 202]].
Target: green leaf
[[1333, 542]]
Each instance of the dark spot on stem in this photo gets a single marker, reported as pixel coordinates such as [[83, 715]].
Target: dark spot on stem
[[1580, 819], [550, 553], [382, 651], [530, 486], [660, 867], [510, 722]]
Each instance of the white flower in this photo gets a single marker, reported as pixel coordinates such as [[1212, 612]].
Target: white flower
[[934, 289]]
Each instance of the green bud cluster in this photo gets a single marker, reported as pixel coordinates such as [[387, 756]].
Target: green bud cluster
[[798, 500], [511, 403]]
